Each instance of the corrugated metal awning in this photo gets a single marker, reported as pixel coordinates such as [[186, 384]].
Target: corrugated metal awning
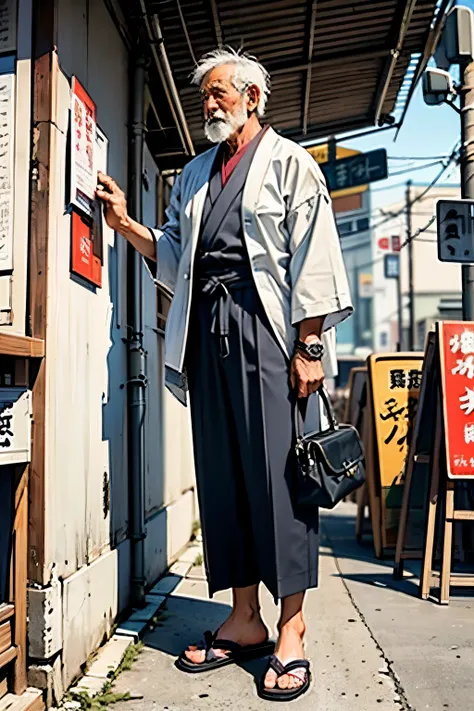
[[336, 65]]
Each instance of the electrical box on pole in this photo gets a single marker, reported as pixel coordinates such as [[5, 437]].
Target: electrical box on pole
[[457, 43]]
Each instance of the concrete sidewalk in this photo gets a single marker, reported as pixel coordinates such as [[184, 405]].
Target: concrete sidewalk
[[373, 644]]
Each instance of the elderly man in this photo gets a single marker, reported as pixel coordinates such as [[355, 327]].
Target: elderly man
[[251, 251]]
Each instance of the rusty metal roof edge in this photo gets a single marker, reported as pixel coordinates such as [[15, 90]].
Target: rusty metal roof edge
[[432, 40]]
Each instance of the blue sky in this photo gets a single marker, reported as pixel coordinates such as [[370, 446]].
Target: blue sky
[[427, 131]]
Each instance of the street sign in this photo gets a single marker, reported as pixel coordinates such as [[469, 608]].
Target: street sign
[[396, 243], [455, 222], [356, 170], [391, 266]]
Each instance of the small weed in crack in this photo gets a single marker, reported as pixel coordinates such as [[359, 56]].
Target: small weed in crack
[[83, 702]]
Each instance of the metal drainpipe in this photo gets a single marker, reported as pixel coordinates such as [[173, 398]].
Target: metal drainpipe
[[137, 381]]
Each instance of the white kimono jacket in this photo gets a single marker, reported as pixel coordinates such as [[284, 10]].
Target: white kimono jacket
[[291, 238]]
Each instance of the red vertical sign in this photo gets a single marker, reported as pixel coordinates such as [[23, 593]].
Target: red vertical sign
[[456, 341], [83, 261]]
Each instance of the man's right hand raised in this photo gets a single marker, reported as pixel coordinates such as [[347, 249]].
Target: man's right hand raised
[[115, 203], [118, 219]]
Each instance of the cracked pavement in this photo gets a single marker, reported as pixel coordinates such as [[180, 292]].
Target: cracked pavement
[[373, 644]]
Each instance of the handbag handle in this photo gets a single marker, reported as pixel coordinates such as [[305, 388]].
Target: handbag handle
[[333, 423]]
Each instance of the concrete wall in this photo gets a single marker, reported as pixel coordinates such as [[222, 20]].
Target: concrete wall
[[87, 549]]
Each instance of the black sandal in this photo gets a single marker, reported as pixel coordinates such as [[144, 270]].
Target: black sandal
[[277, 694], [237, 653]]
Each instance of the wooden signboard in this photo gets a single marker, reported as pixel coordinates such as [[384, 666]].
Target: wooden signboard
[[394, 381], [357, 397], [443, 438], [412, 524], [355, 414]]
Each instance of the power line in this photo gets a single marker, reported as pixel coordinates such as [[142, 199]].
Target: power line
[[418, 232], [417, 167], [421, 195], [411, 238], [418, 157]]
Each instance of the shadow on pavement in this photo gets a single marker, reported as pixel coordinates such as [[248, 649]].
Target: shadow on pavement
[[339, 535], [184, 620]]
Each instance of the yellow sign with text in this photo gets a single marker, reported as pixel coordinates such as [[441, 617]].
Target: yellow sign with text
[[395, 380]]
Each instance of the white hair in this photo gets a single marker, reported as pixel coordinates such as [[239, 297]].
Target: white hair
[[248, 71]]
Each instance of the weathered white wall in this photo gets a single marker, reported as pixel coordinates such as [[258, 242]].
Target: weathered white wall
[[86, 398], [170, 501], [87, 545], [86, 415]]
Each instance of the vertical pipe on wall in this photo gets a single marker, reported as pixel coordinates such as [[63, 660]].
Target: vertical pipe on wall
[[136, 361]]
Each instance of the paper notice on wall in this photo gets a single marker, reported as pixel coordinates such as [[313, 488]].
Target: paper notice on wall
[[83, 142], [8, 12], [7, 85]]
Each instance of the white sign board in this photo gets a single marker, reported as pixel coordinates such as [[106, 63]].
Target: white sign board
[[15, 425], [455, 223], [7, 142]]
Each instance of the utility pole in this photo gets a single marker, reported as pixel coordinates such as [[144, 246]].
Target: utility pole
[[356, 317], [411, 290], [467, 175], [399, 310]]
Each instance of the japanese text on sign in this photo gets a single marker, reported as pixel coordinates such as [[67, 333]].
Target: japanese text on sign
[[457, 347], [405, 379], [396, 382], [8, 11], [356, 170], [83, 139], [400, 419], [6, 431], [7, 82]]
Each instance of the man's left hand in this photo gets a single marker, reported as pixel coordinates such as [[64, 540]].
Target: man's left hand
[[306, 375]]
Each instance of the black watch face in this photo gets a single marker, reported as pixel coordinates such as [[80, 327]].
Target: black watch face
[[315, 350]]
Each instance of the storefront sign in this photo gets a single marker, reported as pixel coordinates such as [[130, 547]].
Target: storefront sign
[[15, 426], [356, 170], [83, 142], [395, 381], [366, 286], [7, 142], [456, 341]]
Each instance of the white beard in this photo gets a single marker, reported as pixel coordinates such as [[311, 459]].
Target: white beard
[[224, 125]]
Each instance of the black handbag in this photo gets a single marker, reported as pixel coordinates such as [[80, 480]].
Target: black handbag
[[330, 463]]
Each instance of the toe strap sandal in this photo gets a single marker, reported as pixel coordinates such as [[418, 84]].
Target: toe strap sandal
[[234, 653], [298, 668]]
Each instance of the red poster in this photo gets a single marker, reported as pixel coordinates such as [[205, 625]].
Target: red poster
[[456, 339], [83, 142], [83, 261]]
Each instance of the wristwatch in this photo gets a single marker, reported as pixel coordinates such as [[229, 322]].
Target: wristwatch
[[313, 351]]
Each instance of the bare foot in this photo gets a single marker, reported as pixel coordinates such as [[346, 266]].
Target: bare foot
[[289, 647], [243, 627]]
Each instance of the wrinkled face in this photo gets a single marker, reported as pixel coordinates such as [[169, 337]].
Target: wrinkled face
[[226, 109]]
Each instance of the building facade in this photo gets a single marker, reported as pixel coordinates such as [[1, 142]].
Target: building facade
[[436, 285], [101, 524], [352, 208]]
